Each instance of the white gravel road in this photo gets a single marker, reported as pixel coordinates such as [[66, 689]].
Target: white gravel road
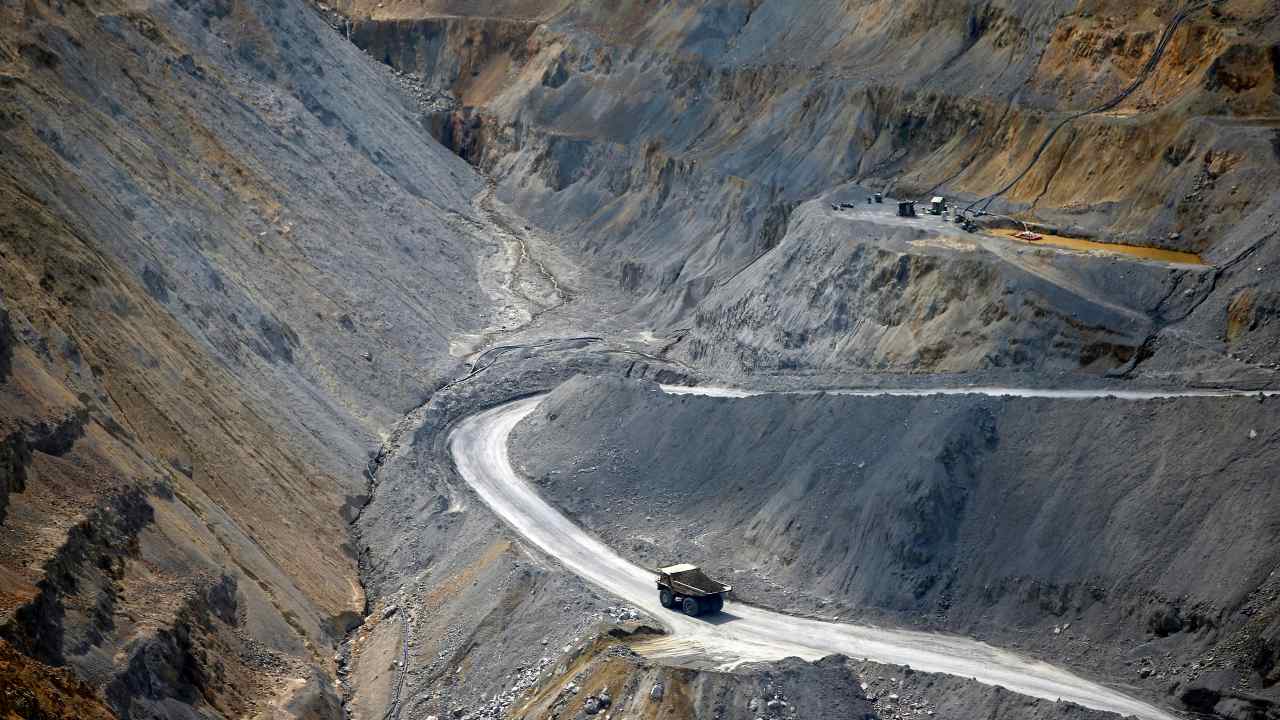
[[743, 633], [1134, 395]]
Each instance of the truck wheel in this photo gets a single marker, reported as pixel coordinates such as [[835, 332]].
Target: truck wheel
[[666, 598], [717, 604], [691, 607]]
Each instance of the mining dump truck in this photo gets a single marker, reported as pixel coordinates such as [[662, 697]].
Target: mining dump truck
[[687, 588]]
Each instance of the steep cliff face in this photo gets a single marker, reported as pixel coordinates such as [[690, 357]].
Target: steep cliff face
[[231, 257], [670, 144]]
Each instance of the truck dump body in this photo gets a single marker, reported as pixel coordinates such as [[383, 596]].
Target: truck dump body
[[690, 581]]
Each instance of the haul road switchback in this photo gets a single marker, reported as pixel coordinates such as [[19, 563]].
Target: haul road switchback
[[745, 633]]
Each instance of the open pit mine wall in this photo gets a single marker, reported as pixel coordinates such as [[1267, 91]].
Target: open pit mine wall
[[1136, 542], [671, 143], [230, 256], [911, 302]]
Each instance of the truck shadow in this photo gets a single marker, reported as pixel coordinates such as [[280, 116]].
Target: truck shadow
[[720, 618]]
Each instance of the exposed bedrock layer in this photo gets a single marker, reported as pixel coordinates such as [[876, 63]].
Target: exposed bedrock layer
[[230, 258], [1134, 541], [670, 145], [34, 691]]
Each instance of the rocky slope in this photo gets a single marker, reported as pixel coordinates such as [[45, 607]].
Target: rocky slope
[[36, 692], [238, 277], [478, 620], [608, 676], [472, 622], [231, 257], [1135, 541], [671, 145], [927, 297]]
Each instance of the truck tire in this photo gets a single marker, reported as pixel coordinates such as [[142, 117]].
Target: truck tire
[[717, 604], [666, 598], [692, 607]]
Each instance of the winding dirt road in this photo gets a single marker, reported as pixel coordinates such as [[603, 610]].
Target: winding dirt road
[[1132, 395], [744, 633]]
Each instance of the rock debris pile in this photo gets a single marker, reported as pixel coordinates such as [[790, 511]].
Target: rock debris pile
[[525, 678], [621, 614], [774, 708], [891, 699]]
